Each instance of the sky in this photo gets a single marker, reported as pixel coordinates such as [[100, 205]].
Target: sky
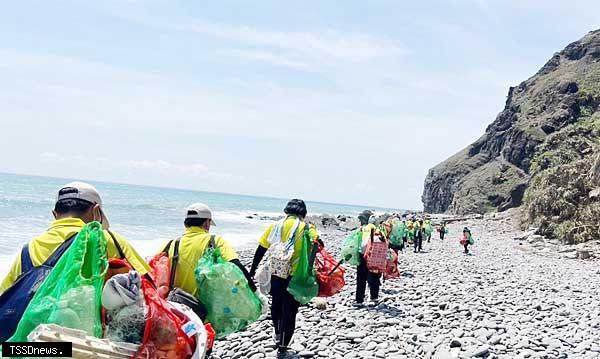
[[345, 102]]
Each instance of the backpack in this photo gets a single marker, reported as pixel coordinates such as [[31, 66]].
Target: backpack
[[179, 295], [15, 299], [281, 253], [376, 253]]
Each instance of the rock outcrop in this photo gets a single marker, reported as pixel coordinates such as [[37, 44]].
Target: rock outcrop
[[541, 151]]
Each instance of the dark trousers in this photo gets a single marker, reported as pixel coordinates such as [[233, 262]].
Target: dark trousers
[[363, 276], [467, 248], [418, 243], [283, 311], [442, 235]]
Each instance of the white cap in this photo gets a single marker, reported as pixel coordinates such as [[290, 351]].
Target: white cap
[[199, 211], [84, 192]]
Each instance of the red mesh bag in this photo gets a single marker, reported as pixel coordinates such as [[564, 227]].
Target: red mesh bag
[[391, 270], [163, 336], [330, 275], [376, 254]]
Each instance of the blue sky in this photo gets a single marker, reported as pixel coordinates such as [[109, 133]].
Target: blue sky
[[347, 103]]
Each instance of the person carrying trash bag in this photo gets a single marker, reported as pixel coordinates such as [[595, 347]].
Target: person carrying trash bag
[[185, 255], [428, 229], [363, 275], [71, 294], [443, 229], [289, 244], [467, 239], [77, 203]]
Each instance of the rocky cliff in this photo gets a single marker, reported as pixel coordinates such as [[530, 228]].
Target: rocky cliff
[[540, 151]]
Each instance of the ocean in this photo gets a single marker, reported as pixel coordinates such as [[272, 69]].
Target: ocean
[[146, 216]]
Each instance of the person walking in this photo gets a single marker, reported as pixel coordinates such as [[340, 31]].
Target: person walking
[[418, 241], [467, 239], [442, 230], [363, 275], [285, 239]]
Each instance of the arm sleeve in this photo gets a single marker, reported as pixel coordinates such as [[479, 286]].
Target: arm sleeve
[[246, 274], [264, 239], [13, 274], [227, 252], [258, 256]]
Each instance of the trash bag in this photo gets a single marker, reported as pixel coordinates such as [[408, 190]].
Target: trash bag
[[71, 294], [330, 275], [161, 273], [161, 326], [351, 248], [428, 229], [263, 279], [398, 233], [391, 270], [223, 290], [303, 286], [163, 335], [376, 255]]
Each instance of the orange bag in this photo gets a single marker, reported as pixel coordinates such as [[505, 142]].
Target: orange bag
[[391, 270], [376, 253], [161, 273], [330, 275], [163, 336]]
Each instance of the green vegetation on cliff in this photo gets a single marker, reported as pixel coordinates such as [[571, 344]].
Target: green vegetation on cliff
[[542, 152]]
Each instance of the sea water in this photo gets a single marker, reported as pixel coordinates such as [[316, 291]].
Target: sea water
[[146, 216]]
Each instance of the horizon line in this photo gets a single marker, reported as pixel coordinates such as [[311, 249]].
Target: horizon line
[[203, 191]]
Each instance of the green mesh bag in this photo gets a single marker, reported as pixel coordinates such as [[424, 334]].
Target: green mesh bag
[[71, 294], [398, 232], [351, 248], [223, 290], [303, 285]]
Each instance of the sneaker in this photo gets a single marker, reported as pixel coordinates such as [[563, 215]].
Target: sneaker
[[358, 305], [374, 302]]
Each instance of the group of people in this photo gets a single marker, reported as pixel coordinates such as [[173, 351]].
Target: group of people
[[399, 232], [79, 203]]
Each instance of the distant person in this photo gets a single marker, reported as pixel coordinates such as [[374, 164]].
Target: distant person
[[284, 306], [428, 229], [467, 239], [442, 230], [77, 203], [363, 275], [419, 233]]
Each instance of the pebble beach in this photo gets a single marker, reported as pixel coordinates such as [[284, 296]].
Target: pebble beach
[[510, 299]]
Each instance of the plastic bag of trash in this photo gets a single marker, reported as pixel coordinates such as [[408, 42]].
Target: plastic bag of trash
[[224, 291], [303, 286], [71, 294], [398, 233], [351, 248]]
